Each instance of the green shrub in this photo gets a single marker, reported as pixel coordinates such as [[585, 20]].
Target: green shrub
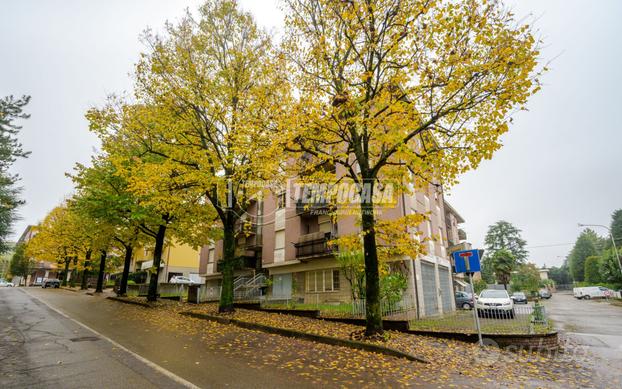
[[392, 286]]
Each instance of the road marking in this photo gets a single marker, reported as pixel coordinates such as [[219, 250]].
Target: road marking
[[147, 362]]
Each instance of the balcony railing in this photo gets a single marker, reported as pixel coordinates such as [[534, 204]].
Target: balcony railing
[[254, 242], [242, 262], [248, 226], [314, 245], [312, 208]]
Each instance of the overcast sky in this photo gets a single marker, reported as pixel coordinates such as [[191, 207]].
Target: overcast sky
[[560, 163]]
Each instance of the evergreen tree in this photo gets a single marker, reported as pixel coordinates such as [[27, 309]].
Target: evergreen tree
[[610, 268], [11, 109], [592, 270], [503, 263], [585, 246], [616, 228], [561, 275], [504, 235]]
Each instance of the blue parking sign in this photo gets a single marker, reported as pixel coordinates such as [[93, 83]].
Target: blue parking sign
[[467, 261]]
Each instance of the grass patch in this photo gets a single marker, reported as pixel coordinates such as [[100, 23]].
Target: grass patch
[[462, 322], [328, 308]]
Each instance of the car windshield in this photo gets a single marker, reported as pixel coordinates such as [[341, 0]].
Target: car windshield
[[519, 294], [499, 294]]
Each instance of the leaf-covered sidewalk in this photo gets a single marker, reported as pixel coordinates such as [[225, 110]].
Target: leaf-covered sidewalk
[[453, 363], [489, 364]]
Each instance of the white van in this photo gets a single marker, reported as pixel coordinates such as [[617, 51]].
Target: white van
[[590, 292]]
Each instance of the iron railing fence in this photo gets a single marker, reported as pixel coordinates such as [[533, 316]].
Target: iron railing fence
[[519, 319], [402, 309]]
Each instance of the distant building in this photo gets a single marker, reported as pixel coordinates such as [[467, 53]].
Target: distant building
[[42, 269], [544, 273], [177, 260]]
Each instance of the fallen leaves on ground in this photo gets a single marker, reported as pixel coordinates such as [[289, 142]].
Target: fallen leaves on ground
[[452, 362]]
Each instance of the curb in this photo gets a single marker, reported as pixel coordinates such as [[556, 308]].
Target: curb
[[124, 301], [312, 337], [70, 289]]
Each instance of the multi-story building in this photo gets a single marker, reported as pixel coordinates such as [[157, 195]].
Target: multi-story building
[[456, 241], [289, 241], [41, 269]]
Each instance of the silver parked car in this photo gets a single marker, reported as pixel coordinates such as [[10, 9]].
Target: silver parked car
[[181, 280]]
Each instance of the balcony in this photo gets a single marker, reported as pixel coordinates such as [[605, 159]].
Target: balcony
[[312, 209], [313, 245], [240, 263], [248, 226], [254, 242]]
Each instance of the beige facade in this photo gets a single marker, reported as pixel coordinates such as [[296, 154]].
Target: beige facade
[[177, 260]]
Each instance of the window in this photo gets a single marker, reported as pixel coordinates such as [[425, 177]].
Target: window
[[279, 239], [323, 280], [280, 200]]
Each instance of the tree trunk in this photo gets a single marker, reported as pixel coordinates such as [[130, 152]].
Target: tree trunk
[[126, 271], [85, 272], [66, 271], [226, 294], [152, 295], [372, 274], [102, 270]]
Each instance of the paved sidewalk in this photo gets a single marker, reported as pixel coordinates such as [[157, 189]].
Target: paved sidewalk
[[39, 348]]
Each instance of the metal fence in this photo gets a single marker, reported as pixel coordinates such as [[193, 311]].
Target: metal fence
[[521, 319], [208, 293], [403, 309], [164, 290]]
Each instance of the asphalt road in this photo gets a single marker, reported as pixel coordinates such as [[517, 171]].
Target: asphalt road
[[47, 345], [40, 348], [594, 326]]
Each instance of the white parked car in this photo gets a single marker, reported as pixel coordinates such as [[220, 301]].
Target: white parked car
[[590, 292], [181, 280], [495, 303], [5, 283]]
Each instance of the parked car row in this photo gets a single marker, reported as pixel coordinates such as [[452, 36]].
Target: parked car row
[[5, 283]]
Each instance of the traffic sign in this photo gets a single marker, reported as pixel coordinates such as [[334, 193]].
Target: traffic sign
[[467, 261]]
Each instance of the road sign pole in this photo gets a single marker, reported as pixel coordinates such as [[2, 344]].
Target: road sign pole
[[462, 263], [475, 315]]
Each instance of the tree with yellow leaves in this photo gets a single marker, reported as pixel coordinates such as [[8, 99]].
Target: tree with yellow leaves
[[55, 240], [407, 92], [104, 195], [220, 90], [167, 199]]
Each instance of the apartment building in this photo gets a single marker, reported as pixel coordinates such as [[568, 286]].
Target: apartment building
[[288, 240]]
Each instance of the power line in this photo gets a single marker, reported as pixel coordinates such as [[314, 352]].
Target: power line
[[550, 245]]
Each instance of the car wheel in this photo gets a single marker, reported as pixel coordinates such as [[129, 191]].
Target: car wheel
[[587, 297], [466, 306]]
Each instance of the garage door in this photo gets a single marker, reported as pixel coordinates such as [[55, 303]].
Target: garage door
[[446, 292], [428, 282]]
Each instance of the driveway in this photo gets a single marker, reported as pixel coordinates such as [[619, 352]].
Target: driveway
[[592, 325]]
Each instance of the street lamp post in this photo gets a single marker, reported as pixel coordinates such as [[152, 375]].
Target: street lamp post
[[613, 241]]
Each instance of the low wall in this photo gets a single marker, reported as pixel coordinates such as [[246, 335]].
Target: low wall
[[534, 342]]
